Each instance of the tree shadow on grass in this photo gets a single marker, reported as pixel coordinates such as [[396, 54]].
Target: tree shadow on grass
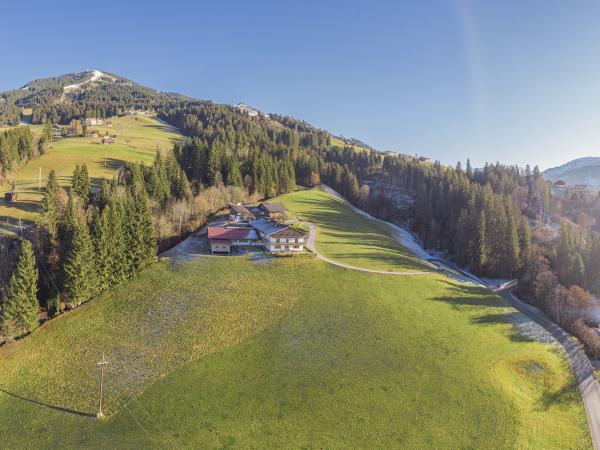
[[476, 296], [565, 395], [520, 331], [47, 405]]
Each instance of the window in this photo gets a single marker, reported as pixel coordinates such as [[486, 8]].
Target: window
[[282, 240]]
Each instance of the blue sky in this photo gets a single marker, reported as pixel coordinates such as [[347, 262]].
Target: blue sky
[[510, 81]]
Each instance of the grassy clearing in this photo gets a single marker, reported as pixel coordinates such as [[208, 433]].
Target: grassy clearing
[[289, 353], [352, 239], [137, 141]]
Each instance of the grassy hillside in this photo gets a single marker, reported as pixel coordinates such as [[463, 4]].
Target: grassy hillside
[[293, 352], [137, 140], [348, 237]]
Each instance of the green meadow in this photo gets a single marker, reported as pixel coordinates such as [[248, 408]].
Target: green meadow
[[230, 352], [138, 139], [348, 237]]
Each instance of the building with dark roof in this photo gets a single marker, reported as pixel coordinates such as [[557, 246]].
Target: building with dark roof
[[274, 236], [274, 211], [240, 214], [223, 238], [279, 237]]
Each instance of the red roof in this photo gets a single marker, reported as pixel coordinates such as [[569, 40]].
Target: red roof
[[231, 233]]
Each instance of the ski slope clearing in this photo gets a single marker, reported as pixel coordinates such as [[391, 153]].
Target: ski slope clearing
[[96, 75]]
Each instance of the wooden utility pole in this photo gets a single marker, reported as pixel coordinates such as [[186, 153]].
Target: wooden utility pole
[[102, 363]]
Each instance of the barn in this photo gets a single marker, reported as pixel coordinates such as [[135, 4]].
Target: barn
[[239, 214], [222, 239], [273, 211]]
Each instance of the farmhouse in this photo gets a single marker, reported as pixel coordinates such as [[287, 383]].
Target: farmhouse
[[279, 237], [240, 214], [273, 211], [223, 238], [93, 121], [274, 236]]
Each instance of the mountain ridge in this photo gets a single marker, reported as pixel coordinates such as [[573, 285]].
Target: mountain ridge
[[98, 93], [584, 170]]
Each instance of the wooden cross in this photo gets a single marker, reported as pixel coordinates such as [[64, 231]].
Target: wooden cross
[[102, 363]]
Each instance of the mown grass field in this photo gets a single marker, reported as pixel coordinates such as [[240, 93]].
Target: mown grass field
[[348, 237], [138, 139], [289, 353]]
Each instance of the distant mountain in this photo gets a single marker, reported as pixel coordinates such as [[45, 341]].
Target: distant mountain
[[91, 93], [578, 171]]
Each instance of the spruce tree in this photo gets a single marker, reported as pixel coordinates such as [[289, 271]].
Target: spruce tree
[[76, 180], [80, 279], [119, 240], [481, 246], [51, 207], [21, 308], [234, 176], [103, 242], [141, 241], [512, 243], [84, 189]]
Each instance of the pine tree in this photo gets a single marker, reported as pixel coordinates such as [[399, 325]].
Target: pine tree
[[21, 308], [524, 239], [85, 186], [119, 239], [80, 278], [141, 242], [51, 207], [512, 243], [76, 180], [481, 245], [102, 237], [234, 176], [565, 255], [47, 133]]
